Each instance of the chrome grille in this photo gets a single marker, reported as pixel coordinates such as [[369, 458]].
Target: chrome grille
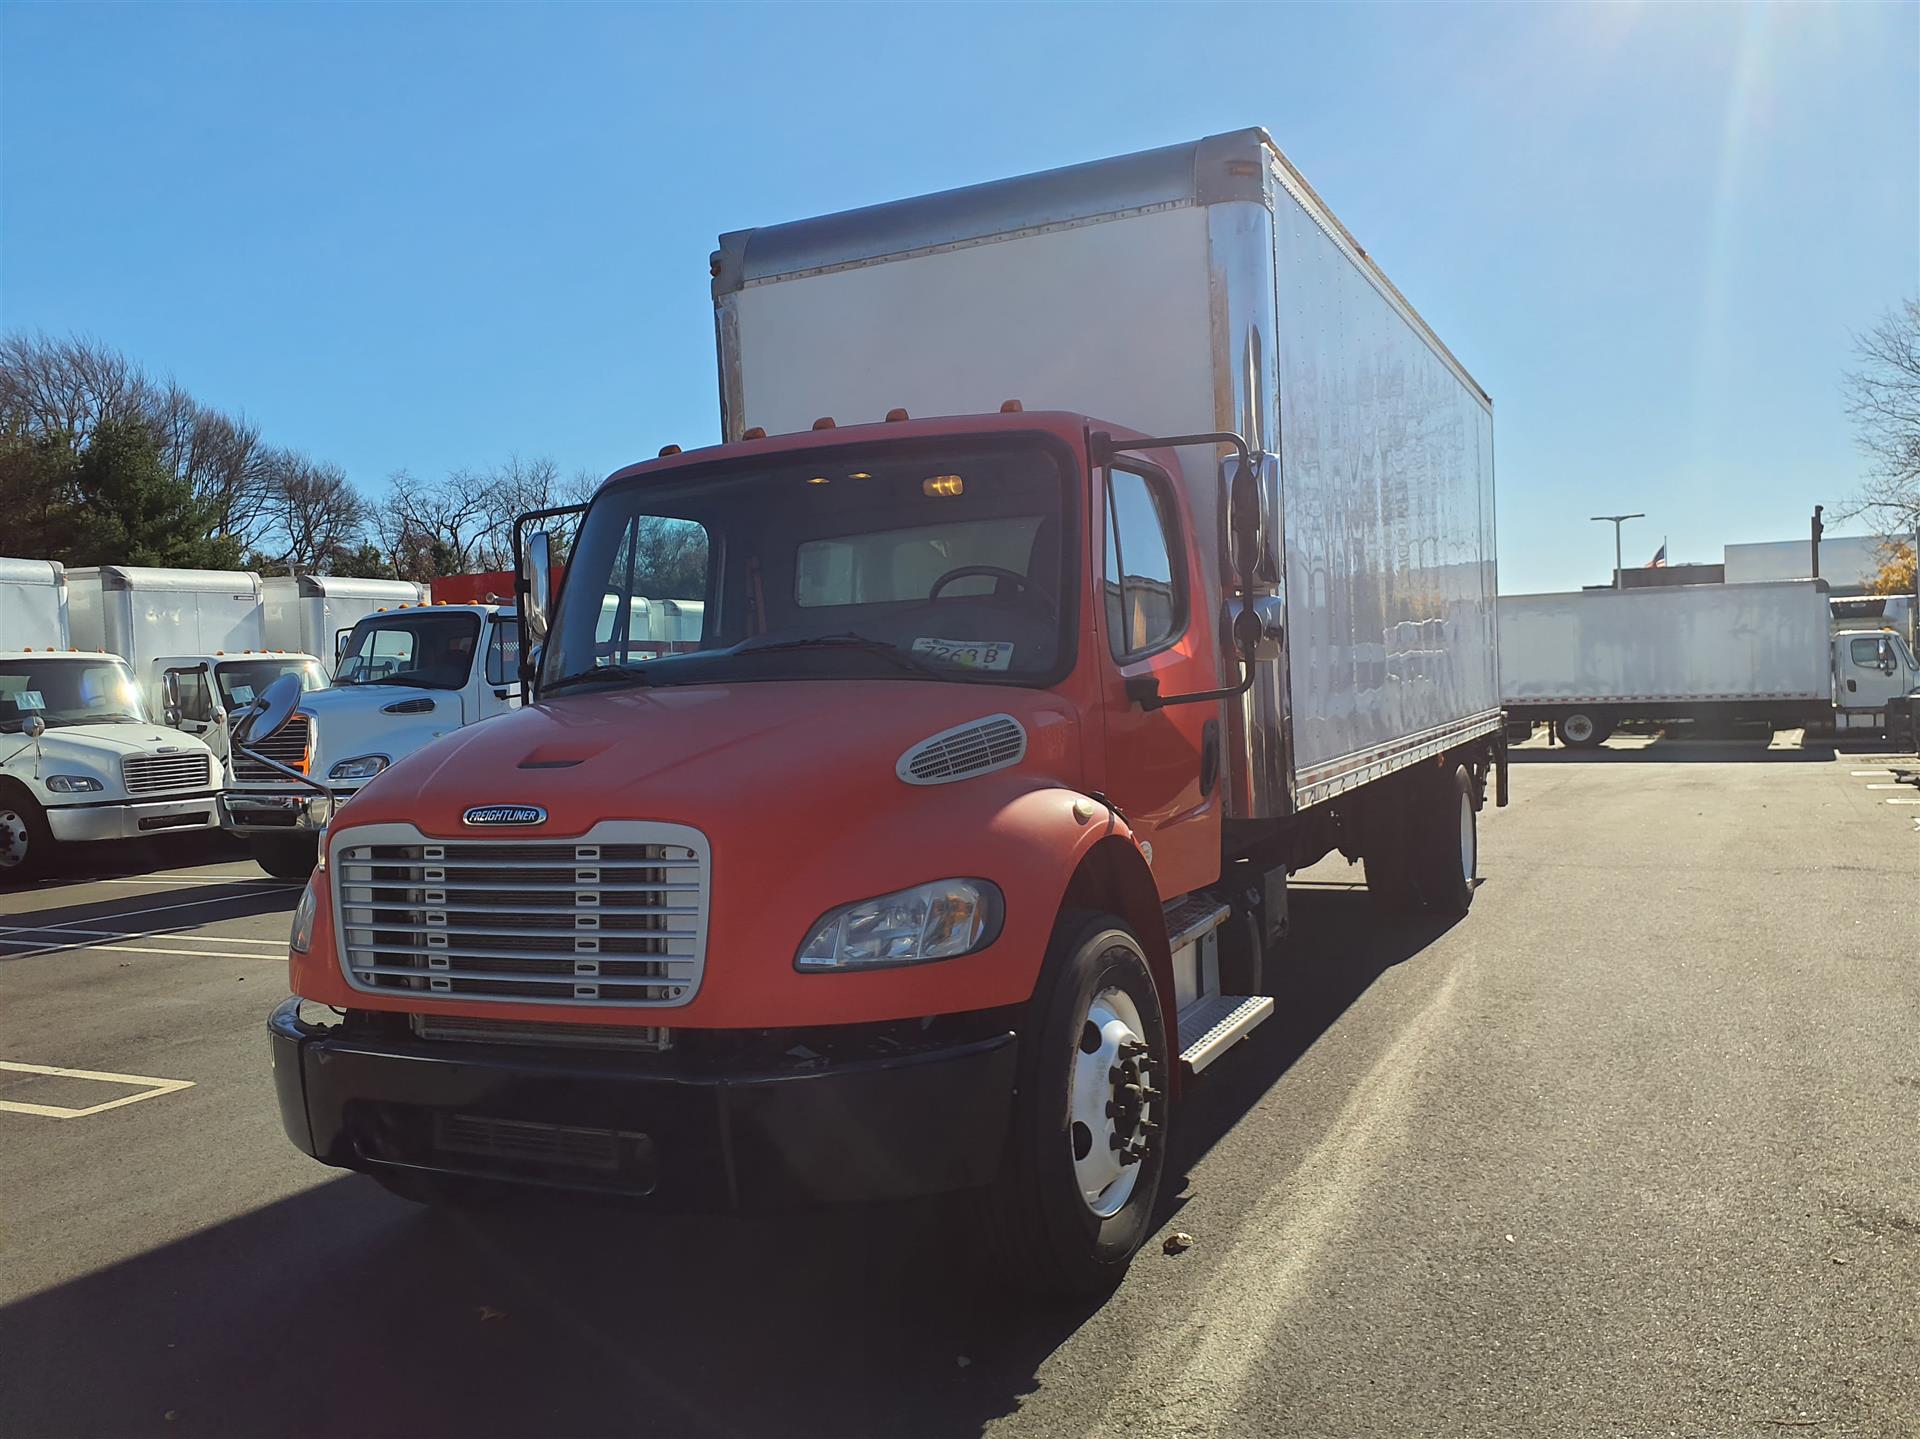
[[148, 773], [617, 917], [289, 747]]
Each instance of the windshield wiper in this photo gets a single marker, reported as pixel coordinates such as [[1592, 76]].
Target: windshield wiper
[[913, 664], [599, 674]]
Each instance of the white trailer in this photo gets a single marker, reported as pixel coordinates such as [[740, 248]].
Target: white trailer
[[1200, 287], [1588, 660], [33, 605], [314, 614]]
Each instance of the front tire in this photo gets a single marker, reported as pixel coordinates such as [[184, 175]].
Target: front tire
[[1087, 1143], [27, 844], [285, 856]]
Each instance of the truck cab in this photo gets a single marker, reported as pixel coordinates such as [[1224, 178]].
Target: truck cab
[[1870, 667], [206, 688], [407, 675], [81, 759]]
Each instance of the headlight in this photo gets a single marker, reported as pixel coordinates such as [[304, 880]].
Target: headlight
[[302, 936], [930, 921], [72, 783], [364, 766]]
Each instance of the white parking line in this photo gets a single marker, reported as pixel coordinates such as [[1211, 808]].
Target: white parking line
[[67, 925], [176, 883], [1903, 801], [121, 949], [1895, 785], [1870, 773], [41, 932], [157, 1087]]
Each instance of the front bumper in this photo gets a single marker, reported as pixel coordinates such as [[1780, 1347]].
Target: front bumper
[[928, 1122], [279, 811], [129, 819]]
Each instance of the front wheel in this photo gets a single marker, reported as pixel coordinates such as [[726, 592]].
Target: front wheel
[[285, 856], [26, 841], [1087, 1142]]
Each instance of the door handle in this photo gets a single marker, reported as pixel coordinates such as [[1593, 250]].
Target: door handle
[[1853, 686], [1209, 756], [502, 694]]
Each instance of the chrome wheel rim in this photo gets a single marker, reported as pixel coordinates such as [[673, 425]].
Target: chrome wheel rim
[[1114, 1103], [13, 839]]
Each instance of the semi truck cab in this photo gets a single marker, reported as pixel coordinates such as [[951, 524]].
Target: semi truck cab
[[407, 675], [1870, 667], [81, 760], [196, 693]]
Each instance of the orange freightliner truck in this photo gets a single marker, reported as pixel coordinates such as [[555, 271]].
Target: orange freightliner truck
[[1087, 552]]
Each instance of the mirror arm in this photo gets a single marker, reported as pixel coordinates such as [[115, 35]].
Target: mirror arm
[[287, 770]]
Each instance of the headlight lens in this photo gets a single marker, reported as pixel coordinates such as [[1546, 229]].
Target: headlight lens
[[364, 766], [302, 936], [72, 783], [930, 921]]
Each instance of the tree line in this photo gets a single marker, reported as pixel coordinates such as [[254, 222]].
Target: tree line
[[100, 463]]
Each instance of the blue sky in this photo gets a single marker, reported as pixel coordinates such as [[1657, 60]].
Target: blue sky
[[428, 236]]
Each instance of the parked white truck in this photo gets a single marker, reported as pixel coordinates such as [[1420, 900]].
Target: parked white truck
[[80, 756], [314, 614], [201, 631], [407, 675], [1590, 660]]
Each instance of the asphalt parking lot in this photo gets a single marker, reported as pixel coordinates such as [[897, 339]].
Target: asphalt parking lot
[[1629, 1150]]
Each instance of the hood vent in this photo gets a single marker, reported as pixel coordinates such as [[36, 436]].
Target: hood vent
[[978, 747], [418, 705]]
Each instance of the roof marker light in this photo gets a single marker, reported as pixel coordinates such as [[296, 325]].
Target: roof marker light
[[756, 433], [896, 415], [937, 486], [666, 450], [818, 480], [1012, 407], [825, 422], [859, 475]]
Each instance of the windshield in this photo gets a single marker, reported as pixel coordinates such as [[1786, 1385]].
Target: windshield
[[414, 647], [908, 561], [241, 681], [67, 691]]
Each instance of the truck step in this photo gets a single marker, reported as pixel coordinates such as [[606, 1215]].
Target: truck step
[[1209, 1028], [1190, 918]]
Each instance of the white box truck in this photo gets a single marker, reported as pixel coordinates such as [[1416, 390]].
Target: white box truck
[[201, 631], [314, 614], [1590, 660], [80, 756]]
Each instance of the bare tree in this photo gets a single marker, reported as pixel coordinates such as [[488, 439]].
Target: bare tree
[[68, 387], [1883, 397], [313, 513], [463, 523]]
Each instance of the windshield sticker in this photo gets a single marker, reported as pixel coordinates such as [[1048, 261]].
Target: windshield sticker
[[243, 694], [967, 654], [30, 700]]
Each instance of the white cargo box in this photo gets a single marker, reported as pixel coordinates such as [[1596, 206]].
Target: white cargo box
[[1201, 287]]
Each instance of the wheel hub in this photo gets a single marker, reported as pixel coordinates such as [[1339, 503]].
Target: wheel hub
[[13, 839], [1113, 1104]]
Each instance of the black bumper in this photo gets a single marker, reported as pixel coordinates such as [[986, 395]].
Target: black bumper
[[925, 1123]]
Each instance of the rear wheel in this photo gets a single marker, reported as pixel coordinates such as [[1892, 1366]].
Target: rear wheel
[[1087, 1142], [1450, 843], [285, 856], [26, 842], [1583, 729]]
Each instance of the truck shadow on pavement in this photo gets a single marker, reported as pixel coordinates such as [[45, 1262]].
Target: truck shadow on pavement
[[339, 1310], [1680, 751]]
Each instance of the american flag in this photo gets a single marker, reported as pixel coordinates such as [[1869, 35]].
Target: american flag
[[1659, 560]]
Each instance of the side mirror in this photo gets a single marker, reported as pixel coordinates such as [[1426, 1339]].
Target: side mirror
[[170, 693], [269, 714], [1243, 516], [536, 586], [218, 718]]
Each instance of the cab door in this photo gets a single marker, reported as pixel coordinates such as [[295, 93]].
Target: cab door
[[500, 674], [1163, 765], [196, 702], [1871, 672]]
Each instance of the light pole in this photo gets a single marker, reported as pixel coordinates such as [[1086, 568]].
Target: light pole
[[1619, 578]]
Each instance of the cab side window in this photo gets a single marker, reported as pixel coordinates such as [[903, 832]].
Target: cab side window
[[196, 699], [503, 655], [1146, 596]]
